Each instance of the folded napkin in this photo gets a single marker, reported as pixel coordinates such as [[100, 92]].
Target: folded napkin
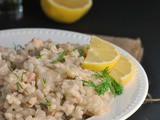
[[133, 46]]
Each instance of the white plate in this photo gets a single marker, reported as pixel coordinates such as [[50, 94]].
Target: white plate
[[122, 106]]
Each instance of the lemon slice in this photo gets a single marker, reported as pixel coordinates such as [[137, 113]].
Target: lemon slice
[[124, 70], [65, 11], [100, 55]]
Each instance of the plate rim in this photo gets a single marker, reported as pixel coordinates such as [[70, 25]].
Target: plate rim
[[146, 85]]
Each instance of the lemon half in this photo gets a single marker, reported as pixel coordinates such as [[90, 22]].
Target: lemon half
[[66, 11]]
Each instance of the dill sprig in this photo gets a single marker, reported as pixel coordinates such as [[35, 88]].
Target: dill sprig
[[22, 75], [61, 56], [89, 83], [57, 45], [104, 74], [13, 72], [17, 47], [107, 83], [47, 103], [39, 56], [44, 80], [19, 86], [80, 52]]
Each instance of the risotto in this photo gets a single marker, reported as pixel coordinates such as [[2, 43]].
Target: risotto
[[44, 81]]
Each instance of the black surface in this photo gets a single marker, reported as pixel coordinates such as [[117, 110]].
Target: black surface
[[129, 18]]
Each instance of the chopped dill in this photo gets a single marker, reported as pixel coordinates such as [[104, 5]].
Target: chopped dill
[[19, 86], [47, 103], [44, 80], [61, 56], [13, 72], [17, 47], [80, 52], [39, 56], [22, 75]]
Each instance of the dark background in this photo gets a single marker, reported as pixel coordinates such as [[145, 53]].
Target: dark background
[[125, 18]]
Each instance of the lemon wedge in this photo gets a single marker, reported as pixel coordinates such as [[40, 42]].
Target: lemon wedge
[[124, 70], [65, 11], [100, 55]]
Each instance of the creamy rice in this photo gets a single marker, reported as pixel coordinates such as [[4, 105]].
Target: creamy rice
[[33, 87]]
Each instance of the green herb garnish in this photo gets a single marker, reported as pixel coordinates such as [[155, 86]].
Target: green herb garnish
[[13, 72], [44, 80], [75, 49], [61, 56], [47, 103], [57, 45], [89, 83], [39, 56], [107, 83], [22, 75], [80, 52], [17, 47], [103, 75], [19, 86]]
